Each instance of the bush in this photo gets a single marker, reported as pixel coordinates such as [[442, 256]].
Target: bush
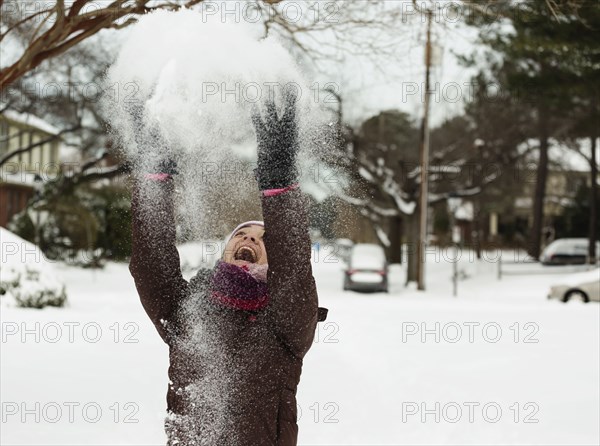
[[113, 208], [9, 280], [91, 221], [33, 289], [22, 225], [28, 285]]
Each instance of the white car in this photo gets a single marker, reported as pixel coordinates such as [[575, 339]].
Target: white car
[[367, 269], [567, 251], [583, 286]]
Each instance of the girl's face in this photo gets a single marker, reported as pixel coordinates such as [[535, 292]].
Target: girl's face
[[246, 246]]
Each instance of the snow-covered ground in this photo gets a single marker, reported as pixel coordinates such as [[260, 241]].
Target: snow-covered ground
[[499, 364]]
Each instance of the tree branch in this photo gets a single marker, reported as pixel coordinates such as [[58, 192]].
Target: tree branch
[[70, 29], [14, 153]]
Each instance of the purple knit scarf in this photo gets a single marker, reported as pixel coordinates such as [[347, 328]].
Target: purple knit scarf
[[240, 288]]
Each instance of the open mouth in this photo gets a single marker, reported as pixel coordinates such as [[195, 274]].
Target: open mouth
[[247, 254]]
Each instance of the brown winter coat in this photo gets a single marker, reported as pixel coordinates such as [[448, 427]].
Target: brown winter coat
[[233, 373]]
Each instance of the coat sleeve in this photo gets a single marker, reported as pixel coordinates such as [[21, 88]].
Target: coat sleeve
[[155, 260], [293, 302]]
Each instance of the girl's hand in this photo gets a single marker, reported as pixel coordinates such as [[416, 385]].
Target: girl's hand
[[154, 155], [277, 139]]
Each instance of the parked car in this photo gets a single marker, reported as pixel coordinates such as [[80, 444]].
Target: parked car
[[584, 286], [367, 269], [567, 251]]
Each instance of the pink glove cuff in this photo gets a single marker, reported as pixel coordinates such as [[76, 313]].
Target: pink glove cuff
[[273, 192], [158, 176]]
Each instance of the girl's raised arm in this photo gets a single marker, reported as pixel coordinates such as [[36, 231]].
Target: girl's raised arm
[[293, 304], [155, 263]]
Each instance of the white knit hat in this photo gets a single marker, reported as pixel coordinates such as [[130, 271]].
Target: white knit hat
[[241, 225]]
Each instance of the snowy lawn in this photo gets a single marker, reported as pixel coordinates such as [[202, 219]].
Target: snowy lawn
[[499, 364]]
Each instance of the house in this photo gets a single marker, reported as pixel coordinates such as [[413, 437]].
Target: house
[[568, 171], [561, 187], [22, 173], [509, 221], [502, 215]]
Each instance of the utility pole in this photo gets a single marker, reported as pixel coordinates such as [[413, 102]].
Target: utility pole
[[424, 152]]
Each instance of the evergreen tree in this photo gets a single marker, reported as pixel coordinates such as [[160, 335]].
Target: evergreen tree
[[550, 61]]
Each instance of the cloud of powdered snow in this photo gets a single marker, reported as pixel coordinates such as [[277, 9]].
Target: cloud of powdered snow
[[194, 82]]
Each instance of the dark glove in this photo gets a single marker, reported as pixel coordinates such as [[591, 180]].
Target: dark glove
[[153, 153], [277, 144]]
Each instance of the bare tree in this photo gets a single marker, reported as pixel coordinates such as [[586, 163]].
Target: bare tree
[[471, 156], [72, 106], [327, 32], [55, 33], [6, 157], [381, 158], [51, 28]]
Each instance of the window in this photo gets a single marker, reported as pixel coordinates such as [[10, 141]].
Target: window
[[574, 183], [54, 153], [3, 137], [44, 158], [27, 142], [19, 146]]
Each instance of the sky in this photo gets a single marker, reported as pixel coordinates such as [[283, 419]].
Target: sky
[[375, 91]]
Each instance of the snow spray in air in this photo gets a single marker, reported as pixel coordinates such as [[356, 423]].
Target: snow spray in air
[[194, 82]]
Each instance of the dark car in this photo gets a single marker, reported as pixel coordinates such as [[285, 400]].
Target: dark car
[[367, 269], [566, 251]]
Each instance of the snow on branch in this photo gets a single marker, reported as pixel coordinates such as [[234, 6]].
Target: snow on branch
[[382, 236]]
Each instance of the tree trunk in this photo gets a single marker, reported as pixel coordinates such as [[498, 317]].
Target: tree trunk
[[593, 234], [395, 249], [477, 228], [540, 186], [412, 239]]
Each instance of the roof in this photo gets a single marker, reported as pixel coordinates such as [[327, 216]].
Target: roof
[[19, 179], [30, 120]]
